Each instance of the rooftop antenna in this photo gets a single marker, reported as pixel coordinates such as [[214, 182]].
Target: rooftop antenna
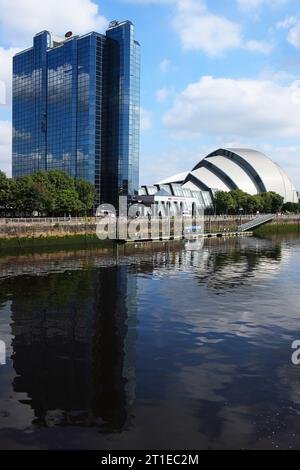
[[113, 23]]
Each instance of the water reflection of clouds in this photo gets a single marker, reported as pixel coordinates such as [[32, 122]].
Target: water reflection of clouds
[[198, 359], [252, 330], [227, 264]]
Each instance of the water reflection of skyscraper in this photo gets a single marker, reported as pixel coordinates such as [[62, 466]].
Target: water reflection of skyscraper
[[74, 346], [74, 332]]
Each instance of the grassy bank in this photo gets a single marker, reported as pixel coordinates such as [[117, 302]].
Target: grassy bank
[[277, 229], [33, 244]]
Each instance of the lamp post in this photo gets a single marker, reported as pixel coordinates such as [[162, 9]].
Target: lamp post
[[241, 210]]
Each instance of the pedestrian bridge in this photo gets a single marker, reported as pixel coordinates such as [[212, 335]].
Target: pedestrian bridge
[[257, 222]]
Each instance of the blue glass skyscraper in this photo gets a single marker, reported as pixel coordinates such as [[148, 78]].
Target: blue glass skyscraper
[[76, 107]]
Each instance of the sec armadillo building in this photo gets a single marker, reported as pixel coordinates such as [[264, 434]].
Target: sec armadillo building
[[228, 169]]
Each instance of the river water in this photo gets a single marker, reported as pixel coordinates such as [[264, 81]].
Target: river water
[[159, 349]]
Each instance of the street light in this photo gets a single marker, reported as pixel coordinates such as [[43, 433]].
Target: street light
[[241, 210]]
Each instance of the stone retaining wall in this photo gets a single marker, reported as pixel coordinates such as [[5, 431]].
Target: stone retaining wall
[[65, 228]]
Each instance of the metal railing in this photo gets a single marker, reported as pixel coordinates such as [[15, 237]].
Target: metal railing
[[84, 220], [257, 222], [48, 220]]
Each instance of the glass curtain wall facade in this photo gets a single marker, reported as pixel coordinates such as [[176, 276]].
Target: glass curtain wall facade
[[128, 124], [76, 107]]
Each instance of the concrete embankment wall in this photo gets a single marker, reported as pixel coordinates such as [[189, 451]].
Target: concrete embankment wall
[[65, 229], [223, 224], [11, 229], [46, 229]]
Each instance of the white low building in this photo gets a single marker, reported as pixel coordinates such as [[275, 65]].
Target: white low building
[[164, 203]]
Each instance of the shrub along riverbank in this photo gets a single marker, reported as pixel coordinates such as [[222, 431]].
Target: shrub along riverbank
[[277, 229], [45, 243]]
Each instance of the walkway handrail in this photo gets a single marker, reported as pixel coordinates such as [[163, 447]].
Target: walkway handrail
[[257, 222]]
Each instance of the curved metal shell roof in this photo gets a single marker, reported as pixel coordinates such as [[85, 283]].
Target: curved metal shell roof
[[235, 168], [237, 173], [245, 169], [175, 179], [210, 179]]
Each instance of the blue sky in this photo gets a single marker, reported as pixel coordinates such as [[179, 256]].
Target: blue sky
[[214, 73]]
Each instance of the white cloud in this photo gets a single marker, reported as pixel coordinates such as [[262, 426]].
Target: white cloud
[[6, 73], [251, 5], [278, 76], [287, 23], [287, 157], [201, 30], [158, 166], [294, 36], [162, 94], [236, 108], [263, 47], [2, 92], [20, 19], [292, 23], [5, 147], [146, 120], [150, 2], [165, 65]]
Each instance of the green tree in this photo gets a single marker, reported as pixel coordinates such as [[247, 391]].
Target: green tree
[[240, 200], [253, 204], [45, 193], [23, 196], [12, 200], [291, 207], [4, 191], [44, 198], [236, 200], [272, 202], [277, 202], [259, 203], [67, 202], [224, 202], [86, 193], [249, 204], [59, 179]]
